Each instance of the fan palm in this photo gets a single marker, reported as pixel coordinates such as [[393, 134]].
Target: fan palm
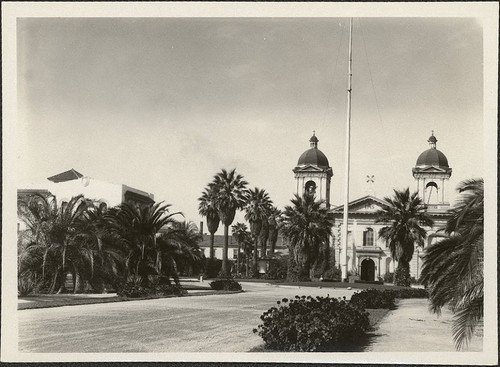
[[230, 190], [256, 208], [453, 267], [240, 231], [208, 209], [407, 216], [307, 224]]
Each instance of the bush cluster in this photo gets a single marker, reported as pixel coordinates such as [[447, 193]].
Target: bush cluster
[[212, 267], [389, 277], [25, 287], [332, 274], [309, 324], [277, 269], [374, 298], [138, 289], [411, 293], [226, 285]]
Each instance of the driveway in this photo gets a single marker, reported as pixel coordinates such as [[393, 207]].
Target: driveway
[[212, 323]]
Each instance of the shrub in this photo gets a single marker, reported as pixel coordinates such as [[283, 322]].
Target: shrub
[[411, 293], [225, 284], [402, 275], [389, 277], [277, 269], [309, 324], [212, 267], [25, 286], [134, 288], [333, 274], [374, 298]]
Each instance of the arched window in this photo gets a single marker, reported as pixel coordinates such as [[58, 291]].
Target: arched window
[[310, 188], [368, 237]]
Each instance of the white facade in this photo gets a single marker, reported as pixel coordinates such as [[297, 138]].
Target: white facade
[[109, 193], [364, 242]]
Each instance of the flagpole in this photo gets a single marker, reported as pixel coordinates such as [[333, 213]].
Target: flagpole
[[343, 256]]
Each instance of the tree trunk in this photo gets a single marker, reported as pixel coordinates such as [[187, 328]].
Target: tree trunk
[[247, 260], [54, 281], [304, 266], [255, 270], [238, 259], [212, 240], [225, 268]]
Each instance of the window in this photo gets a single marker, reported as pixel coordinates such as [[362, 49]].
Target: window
[[368, 237]]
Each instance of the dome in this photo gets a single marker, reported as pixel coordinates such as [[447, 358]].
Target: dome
[[313, 156], [432, 157]]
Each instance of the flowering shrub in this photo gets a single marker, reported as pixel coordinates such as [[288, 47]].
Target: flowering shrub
[[226, 285], [309, 324], [374, 298]]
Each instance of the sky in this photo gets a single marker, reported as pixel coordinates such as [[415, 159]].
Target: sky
[[163, 104]]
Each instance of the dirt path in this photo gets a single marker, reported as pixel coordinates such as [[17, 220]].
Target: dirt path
[[412, 328]]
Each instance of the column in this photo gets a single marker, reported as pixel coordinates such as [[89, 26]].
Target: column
[[321, 188], [378, 266], [423, 191], [442, 190]]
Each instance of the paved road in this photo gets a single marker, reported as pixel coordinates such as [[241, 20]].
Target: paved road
[[218, 323]]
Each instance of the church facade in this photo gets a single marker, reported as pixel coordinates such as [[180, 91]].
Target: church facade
[[368, 256]]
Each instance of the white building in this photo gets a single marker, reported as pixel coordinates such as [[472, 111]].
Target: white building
[[367, 255], [71, 183]]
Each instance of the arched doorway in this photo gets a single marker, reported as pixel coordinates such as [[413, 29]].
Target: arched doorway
[[368, 270]]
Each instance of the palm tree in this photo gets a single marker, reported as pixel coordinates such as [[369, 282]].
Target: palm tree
[[256, 207], [274, 225], [208, 209], [138, 228], [179, 248], [52, 230], [94, 233], [407, 216], [230, 190], [453, 267], [307, 224], [240, 231]]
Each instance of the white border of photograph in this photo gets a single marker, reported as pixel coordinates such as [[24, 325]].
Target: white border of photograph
[[486, 13]]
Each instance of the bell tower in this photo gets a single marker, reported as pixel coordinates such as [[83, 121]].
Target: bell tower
[[313, 173], [432, 173]]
